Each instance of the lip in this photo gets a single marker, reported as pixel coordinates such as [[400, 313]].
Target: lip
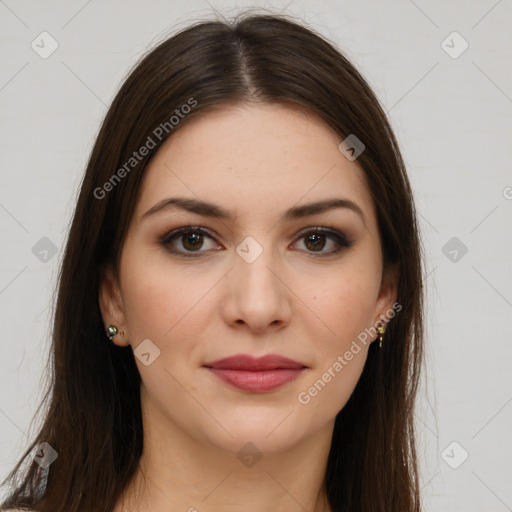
[[256, 375], [248, 362]]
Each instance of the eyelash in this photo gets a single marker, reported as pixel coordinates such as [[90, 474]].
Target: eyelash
[[338, 237]]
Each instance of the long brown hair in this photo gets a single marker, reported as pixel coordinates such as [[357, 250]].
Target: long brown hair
[[92, 405]]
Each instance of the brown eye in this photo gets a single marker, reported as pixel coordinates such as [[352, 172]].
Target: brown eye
[[192, 241], [317, 239], [315, 242], [188, 240]]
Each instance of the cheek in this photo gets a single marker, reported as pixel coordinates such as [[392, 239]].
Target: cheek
[[154, 298], [353, 307], [168, 304], [347, 304]]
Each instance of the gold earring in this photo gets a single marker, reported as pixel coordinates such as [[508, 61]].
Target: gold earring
[[381, 329]]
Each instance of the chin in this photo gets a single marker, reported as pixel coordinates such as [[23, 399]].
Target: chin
[[268, 434]]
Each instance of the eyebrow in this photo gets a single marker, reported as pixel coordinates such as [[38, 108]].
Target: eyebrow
[[211, 210]]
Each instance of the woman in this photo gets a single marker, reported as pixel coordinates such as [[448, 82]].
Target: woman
[[239, 313]]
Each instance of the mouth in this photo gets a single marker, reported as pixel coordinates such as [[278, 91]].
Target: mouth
[[256, 375]]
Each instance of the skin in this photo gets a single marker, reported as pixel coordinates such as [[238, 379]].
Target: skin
[[257, 161]]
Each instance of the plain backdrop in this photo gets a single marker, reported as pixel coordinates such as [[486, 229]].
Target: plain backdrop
[[441, 69]]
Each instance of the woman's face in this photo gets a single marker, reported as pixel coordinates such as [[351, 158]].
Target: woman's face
[[256, 281]]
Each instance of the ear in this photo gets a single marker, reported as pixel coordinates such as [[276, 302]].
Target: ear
[[111, 306], [387, 294]]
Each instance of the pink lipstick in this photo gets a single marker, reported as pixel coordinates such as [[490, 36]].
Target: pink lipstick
[[256, 375]]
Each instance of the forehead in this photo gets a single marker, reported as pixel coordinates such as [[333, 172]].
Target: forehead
[[253, 158]]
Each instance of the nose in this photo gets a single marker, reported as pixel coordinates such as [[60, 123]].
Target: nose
[[257, 296]]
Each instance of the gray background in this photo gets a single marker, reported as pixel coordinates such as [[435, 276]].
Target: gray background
[[452, 116]]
